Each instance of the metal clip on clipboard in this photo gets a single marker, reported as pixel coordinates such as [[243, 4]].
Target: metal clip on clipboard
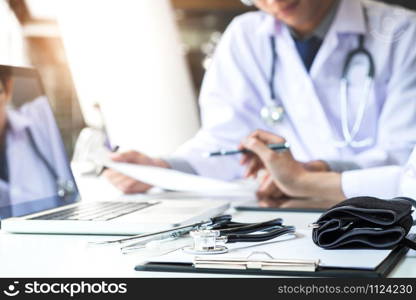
[[249, 263]]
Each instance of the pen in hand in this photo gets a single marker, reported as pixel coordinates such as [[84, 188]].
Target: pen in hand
[[275, 147]]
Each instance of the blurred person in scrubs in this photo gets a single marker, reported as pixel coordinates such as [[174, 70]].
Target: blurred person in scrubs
[[290, 58], [33, 164]]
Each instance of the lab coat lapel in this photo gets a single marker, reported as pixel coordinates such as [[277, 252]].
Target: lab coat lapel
[[327, 49], [349, 19], [301, 102]]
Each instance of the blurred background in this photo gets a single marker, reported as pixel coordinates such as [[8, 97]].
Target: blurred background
[[132, 64], [199, 24]]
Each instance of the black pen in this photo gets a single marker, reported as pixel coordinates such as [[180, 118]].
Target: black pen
[[275, 147]]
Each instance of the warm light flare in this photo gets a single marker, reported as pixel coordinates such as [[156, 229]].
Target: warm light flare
[[126, 56]]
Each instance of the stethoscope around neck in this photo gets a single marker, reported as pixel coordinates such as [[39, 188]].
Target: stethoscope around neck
[[64, 187], [273, 111]]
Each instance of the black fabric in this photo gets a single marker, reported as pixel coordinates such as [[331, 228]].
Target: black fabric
[[411, 4], [365, 222], [254, 232], [308, 49], [4, 170]]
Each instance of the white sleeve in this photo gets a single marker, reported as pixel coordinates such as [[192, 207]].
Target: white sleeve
[[408, 178], [382, 182]]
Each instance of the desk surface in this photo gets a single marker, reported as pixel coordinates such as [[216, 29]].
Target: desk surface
[[23, 255]]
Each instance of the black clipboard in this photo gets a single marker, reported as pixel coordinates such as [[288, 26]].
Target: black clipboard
[[381, 271], [253, 206], [277, 209]]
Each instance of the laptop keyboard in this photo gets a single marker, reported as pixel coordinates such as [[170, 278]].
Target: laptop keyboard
[[96, 211]]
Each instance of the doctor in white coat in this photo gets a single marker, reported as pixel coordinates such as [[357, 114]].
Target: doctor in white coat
[[291, 56], [33, 164]]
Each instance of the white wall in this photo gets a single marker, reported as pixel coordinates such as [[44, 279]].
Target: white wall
[[12, 49], [126, 55]]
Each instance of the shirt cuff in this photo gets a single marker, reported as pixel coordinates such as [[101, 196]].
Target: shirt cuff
[[179, 164], [381, 182], [340, 166]]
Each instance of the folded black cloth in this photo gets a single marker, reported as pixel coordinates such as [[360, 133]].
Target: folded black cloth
[[365, 222]]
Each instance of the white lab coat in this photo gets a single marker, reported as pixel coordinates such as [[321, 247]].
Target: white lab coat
[[408, 178], [29, 179], [236, 85]]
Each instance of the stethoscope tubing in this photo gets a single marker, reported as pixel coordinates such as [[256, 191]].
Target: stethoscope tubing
[[243, 228], [61, 185], [257, 232], [349, 135], [40, 155], [260, 237]]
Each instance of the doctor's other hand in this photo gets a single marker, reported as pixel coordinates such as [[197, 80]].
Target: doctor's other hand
[[262, 158], [125, 183], [268, 188]]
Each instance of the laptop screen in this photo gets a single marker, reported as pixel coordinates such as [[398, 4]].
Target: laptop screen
[[35, 173]]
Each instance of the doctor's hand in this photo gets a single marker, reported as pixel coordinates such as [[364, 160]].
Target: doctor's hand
[[293, 178], [284, 170], [267, 190], [127, 184]]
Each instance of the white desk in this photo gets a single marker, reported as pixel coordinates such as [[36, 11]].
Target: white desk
[[70, 256]]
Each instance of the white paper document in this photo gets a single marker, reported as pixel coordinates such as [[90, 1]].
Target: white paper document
[[178, 181], [299, 248]]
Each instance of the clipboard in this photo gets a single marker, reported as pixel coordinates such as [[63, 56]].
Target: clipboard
[[381, 271], [278, 209], [254, 206]]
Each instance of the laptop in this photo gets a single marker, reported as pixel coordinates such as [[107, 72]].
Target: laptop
[[38, 192]]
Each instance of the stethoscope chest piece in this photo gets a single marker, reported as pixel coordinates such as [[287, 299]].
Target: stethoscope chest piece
[[206, 242], [272, 114]]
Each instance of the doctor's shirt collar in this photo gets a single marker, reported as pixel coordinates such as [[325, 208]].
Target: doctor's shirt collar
[[16, 122], [350, 18], [270, 26]]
